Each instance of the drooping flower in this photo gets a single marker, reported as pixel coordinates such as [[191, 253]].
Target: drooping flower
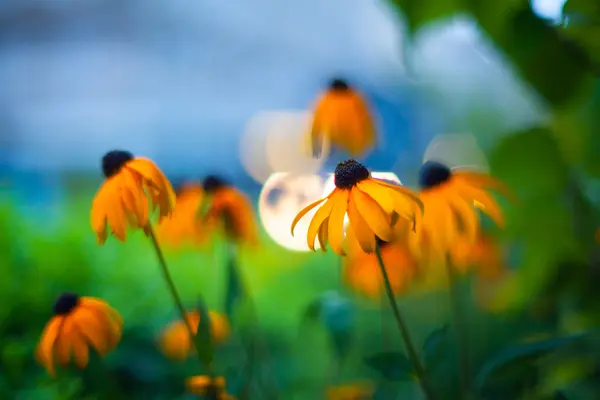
[[175, 341], [133, 188], [79, 323], [210, 388], [230, 211], [373, 207], [342, 115], [183, 226], [452, 199]]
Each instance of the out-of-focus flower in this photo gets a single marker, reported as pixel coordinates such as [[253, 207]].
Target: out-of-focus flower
[[175, 339], [484, 256], [342, 115], [451, 199], [362, 273], [78, 324], [229, 210], [597, 236], [210, 388], [122, 200], [373, 208], [359, 391], [183, 226]]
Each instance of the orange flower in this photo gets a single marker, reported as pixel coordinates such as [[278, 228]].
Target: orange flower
[[210, 388], [175, 340], [362, 273], [372, 205], [484, 255], [123, 197], [451, 199], [78, 324], [597, 237], [183, 226], [342, 115], [231, 211], [351, 392]]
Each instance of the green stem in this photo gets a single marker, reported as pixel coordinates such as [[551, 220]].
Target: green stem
[[175, 294], [410, 348], [461, 337]]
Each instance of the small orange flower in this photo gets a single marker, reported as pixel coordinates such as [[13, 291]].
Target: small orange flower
[[230, 210], [342, 115], [78, 324], [131, 182], [373, 207], [183, 226], [484, 255], [361, 271], [210, 388], [451, 199], [351, 392], [175, 340]]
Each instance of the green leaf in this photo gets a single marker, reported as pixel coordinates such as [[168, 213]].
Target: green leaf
[[418, 13], [235, 288], [393, 365], [203, 336], [518, 356], [313, 311], [433, 342]]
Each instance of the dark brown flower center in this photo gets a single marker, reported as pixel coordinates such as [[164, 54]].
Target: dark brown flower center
[[66, 303], [433, 174], [349, 173], [113, 161], [339, 85], [381, 243], [212, 182]]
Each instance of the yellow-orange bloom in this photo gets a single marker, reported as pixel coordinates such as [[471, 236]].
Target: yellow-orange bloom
[[451, 199], [342, 115], [373, 206], [212, 388], [175, 340], [361, 271], [131, 183], [361, 391], [484, 255], [230, 210], [183, 227], [78, 324]]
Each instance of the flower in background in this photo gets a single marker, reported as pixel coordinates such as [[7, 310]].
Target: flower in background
[[183, 226], [373, 208], [78, 324], [484, 255], [452, 198], [597, 237], [229, 210], [361, 270], [342, 115], [122, 200], [359, 391], [210, 388], [175, 340]]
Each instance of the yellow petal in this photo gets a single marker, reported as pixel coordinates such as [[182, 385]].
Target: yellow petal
[[375, 217], [364, 235], [335, 229], [323, 235], [305, 211], [45, 350], [315, 224]]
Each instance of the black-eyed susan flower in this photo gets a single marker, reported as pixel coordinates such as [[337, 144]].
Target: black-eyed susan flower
[[452, 199], [134, 186], [175, 341], [361, 271], [483, 255], [183, 227], [341, 114], [229, 210], [210, 388], [78, 324], [358, 391], [373, 207]]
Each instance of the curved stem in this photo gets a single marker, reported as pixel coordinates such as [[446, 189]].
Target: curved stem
[[410, 348], [461, 337], [174, 293]]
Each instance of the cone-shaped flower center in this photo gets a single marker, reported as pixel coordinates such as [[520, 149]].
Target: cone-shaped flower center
[[113, 161], [349, 173], [432, 174], [66, 303], [212, 183], [339, 85]]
